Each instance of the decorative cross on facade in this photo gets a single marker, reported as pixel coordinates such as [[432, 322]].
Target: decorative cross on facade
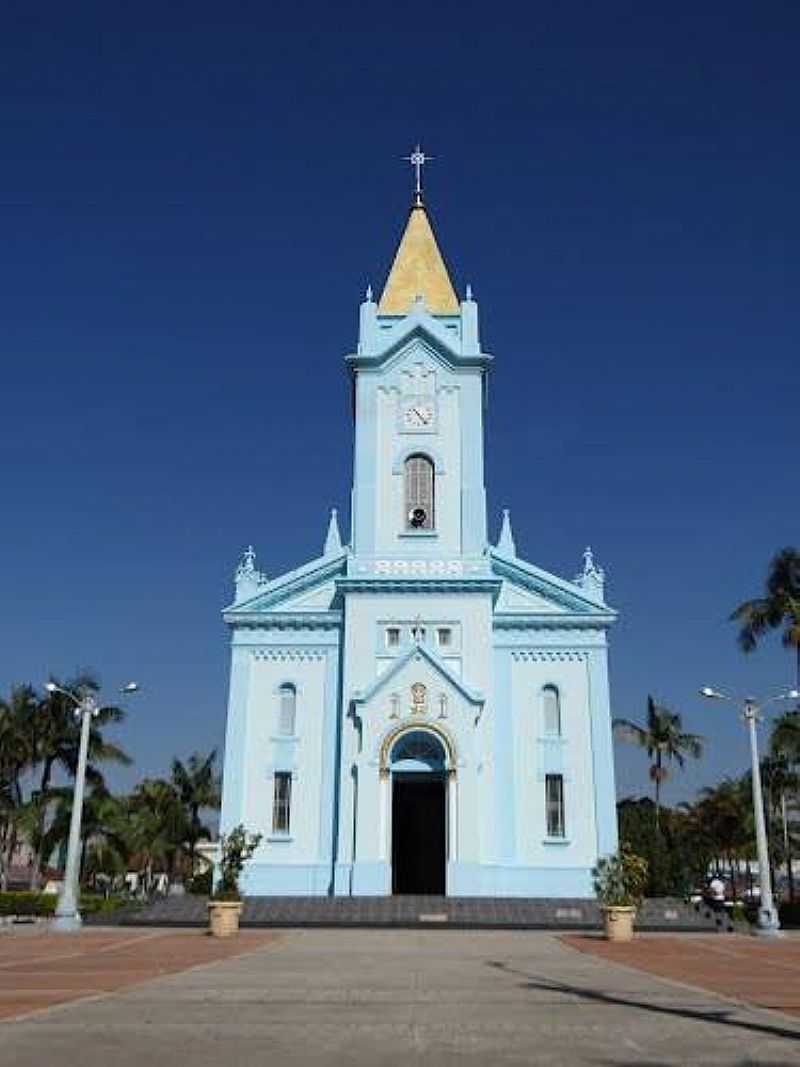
[[418, 159]]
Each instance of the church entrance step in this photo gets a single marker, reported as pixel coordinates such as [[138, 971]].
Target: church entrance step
[[520, 913]]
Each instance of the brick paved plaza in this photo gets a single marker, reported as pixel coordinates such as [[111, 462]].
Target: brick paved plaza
[[363, 997], [766, 973], [38, 970]]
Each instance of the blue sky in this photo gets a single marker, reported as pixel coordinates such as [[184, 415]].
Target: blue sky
[[193, 200]]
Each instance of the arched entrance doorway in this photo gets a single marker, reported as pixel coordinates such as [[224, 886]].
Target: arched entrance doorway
[[419, 806]]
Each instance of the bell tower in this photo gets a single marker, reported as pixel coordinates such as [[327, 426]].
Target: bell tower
[[419, 384]]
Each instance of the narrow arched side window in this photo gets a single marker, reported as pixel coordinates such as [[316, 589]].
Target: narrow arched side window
[[551, 711], [419, 502], [287, 710]]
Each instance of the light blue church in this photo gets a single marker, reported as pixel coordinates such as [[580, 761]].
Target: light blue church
[[420, 711]]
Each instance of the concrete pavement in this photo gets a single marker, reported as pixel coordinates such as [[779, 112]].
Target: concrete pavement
[[367, 997]]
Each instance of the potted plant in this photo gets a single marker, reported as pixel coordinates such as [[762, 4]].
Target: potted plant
[[619, 882], [225, 906]]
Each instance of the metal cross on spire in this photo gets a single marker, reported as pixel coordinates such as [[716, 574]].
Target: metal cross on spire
[[418, 159]]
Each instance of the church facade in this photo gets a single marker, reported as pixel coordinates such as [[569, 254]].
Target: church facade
[[420, 711]]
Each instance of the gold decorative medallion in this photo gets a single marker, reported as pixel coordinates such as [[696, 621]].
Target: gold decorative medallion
[[419, 699]]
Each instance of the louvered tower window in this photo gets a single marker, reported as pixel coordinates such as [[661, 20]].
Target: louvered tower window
[[419, 493]]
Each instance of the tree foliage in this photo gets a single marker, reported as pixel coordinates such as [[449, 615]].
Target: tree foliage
[[777, 609], [665, 742], [198, 786], [155, 829]]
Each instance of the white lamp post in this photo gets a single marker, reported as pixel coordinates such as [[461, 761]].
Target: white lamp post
[[768, 924], [67, 915]]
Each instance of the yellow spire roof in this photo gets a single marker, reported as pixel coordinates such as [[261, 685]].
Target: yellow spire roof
[[418, 270]]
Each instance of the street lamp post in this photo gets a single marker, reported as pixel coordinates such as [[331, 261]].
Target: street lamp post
[[67, 915], [768, 924]]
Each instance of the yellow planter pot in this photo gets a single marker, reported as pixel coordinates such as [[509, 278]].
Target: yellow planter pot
[[619, 923], [223, 917]]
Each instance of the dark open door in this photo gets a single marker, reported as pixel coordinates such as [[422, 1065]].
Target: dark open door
[[418, 834]]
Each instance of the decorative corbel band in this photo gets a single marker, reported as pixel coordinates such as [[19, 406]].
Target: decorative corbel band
[[288, 654], [549, 656]]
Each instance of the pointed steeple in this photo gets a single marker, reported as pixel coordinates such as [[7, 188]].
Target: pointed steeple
[[333, 541], [505, 543], [418, 270]]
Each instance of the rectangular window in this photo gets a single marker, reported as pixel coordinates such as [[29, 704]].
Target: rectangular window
[[554, 804], [445, 637], [281, 802], [392, 637]]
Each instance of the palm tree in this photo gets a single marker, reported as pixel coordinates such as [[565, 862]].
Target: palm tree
[[785, 746], [722, 820], [198, 786], [664, 740], [17, 753], [785, 738], [779, 779], [105, 826], [779, 608], [160, 824]]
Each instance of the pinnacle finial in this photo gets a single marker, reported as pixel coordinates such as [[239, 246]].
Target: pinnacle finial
[[592, 576], [247, 578], [505, 543], [333, 540], [368, 294], [468, 294], [418, 159]]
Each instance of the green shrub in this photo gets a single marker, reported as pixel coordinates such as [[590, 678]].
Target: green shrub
[[200, 884], [94, 903], [738, 913], [44, 904], [27, 903], [235, 851], [620, 879]]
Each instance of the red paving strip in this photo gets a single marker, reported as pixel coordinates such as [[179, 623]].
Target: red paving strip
[[39, 970], [765, 973]]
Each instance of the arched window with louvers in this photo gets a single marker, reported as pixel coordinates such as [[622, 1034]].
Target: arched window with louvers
[[419, 493]]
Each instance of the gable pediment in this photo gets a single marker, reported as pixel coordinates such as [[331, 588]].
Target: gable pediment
[[516, 598], [418, 664], [529, 590], [311, 589], [420, 331]]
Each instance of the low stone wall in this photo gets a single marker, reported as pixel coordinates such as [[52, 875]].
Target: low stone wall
[[409, 911]]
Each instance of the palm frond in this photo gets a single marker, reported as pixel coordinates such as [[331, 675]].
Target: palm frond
[[625, 730]]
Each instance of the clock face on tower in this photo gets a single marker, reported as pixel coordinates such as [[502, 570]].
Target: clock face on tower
[[418, 415]]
